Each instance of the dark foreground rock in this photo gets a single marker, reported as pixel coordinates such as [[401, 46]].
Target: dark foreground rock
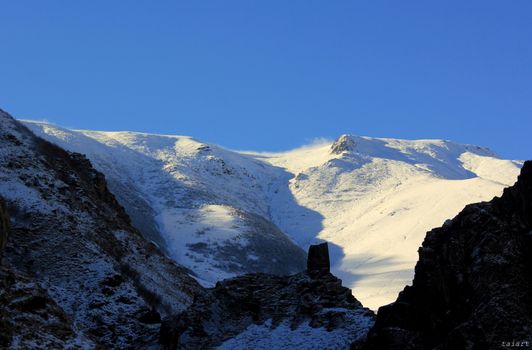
[[30, 318], [27, 312], [256, 308], [318, 258], [4, 226], [473, 282]]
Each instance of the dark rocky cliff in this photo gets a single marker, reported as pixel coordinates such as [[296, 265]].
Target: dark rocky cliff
[[4, 226], [473, 281], [26, 309]]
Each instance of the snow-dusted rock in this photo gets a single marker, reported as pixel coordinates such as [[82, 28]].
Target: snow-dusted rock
[[31, 319], [344, 143], [258, 311]]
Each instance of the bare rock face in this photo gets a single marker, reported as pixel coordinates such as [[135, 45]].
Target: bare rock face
[[27, 312], [317, 301], [30, 316], [473, 282], [343, 144], [318, 258], [4, 226]]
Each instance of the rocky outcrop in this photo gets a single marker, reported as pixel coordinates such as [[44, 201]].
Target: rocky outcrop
[[27, 312], [344, 143], [318, 258], [72, 260], [317, 300], [31, 319], [473, 282], [4, 226]]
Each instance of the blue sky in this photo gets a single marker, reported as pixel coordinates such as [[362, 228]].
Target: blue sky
[[273, 75]]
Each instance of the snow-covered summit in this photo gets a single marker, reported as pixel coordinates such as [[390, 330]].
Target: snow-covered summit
[[222, 212]]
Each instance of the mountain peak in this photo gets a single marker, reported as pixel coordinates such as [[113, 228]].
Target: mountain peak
[[344, 143]]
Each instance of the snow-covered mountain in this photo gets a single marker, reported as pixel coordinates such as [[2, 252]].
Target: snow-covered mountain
[[376, 198], [206, 206], [222, 213]]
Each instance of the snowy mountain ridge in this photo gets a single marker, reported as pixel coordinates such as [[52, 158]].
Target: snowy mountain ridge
[[222, 213]]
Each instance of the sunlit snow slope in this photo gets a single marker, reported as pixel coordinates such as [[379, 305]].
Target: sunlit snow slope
[[221, 212], [375, 199]]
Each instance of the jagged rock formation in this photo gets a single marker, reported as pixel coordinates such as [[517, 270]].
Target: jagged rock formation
[[473, 283], [247, 311], [343, 144], [75, 272]]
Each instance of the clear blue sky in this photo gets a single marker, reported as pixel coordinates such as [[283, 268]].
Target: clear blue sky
[[272, 75]]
